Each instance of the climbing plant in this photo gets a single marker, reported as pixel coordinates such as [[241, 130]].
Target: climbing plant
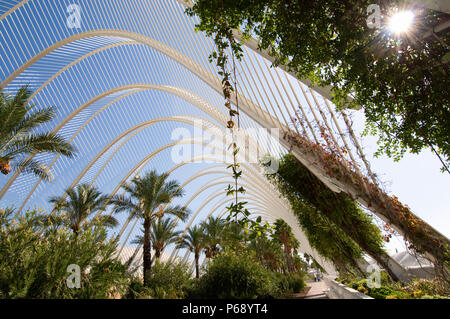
[[330, 44], [338, 208], [223, 39], [401, 81], [326, 237]]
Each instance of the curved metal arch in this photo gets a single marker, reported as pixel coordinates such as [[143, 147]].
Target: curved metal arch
[[144, 162], [147, 123], [203, 172], [251, 43], [244, 177], [246, 105], [249, 107], [203, 157], [182, 93], [68, 66], [210, 198], [205, 187], [186, 62], [71, 140], [183, 119], [258, 190]]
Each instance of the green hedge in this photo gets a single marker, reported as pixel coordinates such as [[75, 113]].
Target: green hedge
[[234, 276]]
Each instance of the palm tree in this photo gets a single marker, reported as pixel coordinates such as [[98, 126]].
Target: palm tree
[[78, 204], [213, 228], [194, 241], [18, 124], [162, 234], [146, 198], [283, 234], [269, 252]]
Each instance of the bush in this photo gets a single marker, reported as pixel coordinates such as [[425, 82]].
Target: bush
[[289, 283], [34, 264], [380, 293], [417, 289], [137, 290], [169, 280], [234, 276], [421, 287]]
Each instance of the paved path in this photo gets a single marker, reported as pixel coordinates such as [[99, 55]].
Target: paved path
[[317, 290]]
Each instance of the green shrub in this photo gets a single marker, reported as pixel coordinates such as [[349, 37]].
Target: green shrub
[[169, 280], [137, 290], [33, 264], [360, 283], [380, 293], [421, 287], [235, 276], [290, 283], [296, 283]]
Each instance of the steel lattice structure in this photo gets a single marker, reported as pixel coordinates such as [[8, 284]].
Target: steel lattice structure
[[134, 71]]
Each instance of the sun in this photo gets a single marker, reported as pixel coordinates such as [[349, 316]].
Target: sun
[[400, 21]]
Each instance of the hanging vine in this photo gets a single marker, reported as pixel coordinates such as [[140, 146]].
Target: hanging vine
[[224, 40]]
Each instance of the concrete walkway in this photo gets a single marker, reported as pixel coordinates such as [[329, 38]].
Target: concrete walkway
[[317, 290]]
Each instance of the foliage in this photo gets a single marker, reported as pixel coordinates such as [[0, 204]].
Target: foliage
[[236, 276], [34, 263], [323, 233], [137, 290], [194, 241], [331, 44], [169, 280], [328, 239], [223, 39], [269, 253], [401, 81], [80, 203], [148, 198], [18, 138], [283, 234], [213, 228], [417, 289], [427, 287], [380, 293], [422, 237], [290, 283]]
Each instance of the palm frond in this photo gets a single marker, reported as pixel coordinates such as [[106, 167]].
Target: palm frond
[[179, 211], [34, 167]]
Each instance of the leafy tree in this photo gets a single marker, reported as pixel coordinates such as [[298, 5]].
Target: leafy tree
[[78, 204], [401, 81], [194, 241], [18, 138], [146, 198]]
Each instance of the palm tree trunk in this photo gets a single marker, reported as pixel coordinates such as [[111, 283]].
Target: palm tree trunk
[[287, 254], [147, 254], [197, 269]]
